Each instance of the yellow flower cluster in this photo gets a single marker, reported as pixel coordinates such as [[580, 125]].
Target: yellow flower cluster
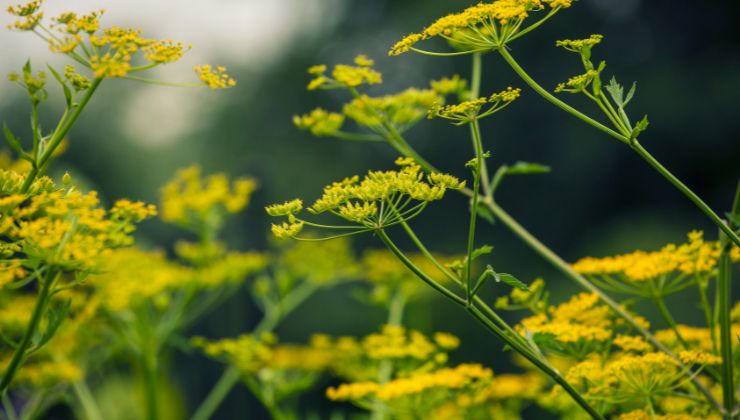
[[320, 122], [194, 202], [577, 83], [379, 199], [454, 85], [214, 78], [30, 14], [112, 52], [471, 110], [578, 320], [63, 228], [479, 19], [464, 375], [344, 75], [408, 350], [402, 110], [579, 45], [134, 277], [693, 257]]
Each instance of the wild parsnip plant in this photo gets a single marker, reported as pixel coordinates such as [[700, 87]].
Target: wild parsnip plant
[[593, 347], [90, 320]]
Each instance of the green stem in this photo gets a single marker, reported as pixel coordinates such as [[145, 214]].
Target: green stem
[[38, 311], [724, 227], [557, 102], [58, 136], [385, 370], [218, 393], [703, 285], [477, 314], [541, 365], [473, 215], [724, 286], [430, 281], [149, 368], [666, 314], [633, 143], [89, 406], [548, 255], [231, 376]]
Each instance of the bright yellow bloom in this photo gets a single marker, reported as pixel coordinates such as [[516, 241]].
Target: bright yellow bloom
[[479, 19], [214, 78], [320, 122]]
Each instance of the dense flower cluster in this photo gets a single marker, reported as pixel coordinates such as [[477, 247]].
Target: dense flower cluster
[[381, 198], [108, 52], [480, 24]]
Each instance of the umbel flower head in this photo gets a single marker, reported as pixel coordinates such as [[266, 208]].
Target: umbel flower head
[[379, 200], [107, 52], [384, 116], [483, 27], [61, 227], [468, 111]]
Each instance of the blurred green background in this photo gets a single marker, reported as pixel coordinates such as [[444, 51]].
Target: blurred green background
[[599, 199]]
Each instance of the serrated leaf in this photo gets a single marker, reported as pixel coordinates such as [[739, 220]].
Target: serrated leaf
[[527, 168], [27, 68], [67, 90], [511, 281], [484, 250], [485, 213], [641, 126], [630, 94], [13, 141], [616, 91]]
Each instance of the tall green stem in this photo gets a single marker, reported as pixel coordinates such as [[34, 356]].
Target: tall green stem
[[633, 143], [38, 311], [724, 227], [87, 401], [58, 136], [473, 213], [151, 381], [478, 315], [724, 286], [232, 375], [385, 371]]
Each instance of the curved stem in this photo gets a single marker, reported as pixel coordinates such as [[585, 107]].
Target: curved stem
[[633, 143], [478, 315], [724, 227], [541, 365], [58, 136], [548, 255], [231, 376], [38, 311], [557, 102], [724, 292], [218, 393], [89, 406]]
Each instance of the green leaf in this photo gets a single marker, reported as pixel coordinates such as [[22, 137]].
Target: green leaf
[[641, 126], [55, 318], [511, 281], [484, 250], [527, 168], [733, 218], [616, 91], [13, 141], [630, 94], [482, 279], [484, 212], [67, 91]]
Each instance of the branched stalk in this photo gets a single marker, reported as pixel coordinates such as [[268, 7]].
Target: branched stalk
[[87, 402], [19, 353], [232, 375], [151, 381], [633, 143], [724, 287], [58, 136], [501, 334]]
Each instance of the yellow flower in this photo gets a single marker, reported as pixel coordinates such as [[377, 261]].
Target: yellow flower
[[320, 122], [214, 78]]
